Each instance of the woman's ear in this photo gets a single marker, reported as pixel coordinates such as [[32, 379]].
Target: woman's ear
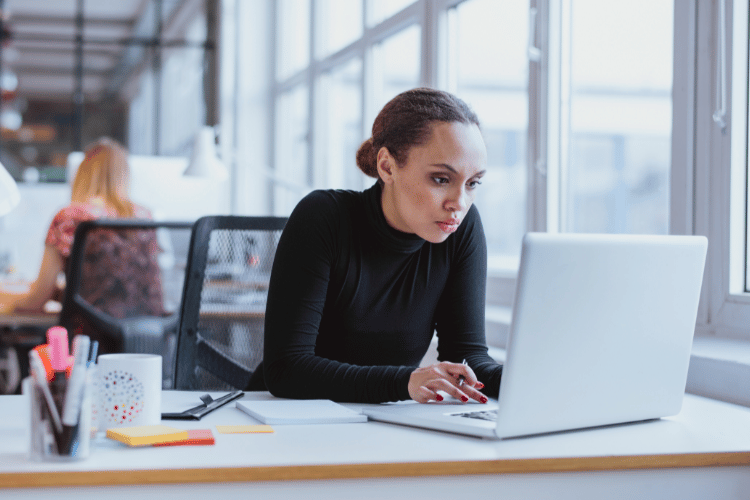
[[386, 165]]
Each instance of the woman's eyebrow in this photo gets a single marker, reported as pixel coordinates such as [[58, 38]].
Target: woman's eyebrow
[[448, 167]]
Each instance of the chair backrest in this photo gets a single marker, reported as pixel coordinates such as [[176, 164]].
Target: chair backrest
[[124, 281], [220, 342]]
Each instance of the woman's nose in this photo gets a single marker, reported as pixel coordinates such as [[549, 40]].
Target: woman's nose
[[458, 201]]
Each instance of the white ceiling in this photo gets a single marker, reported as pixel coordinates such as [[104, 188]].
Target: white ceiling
[[42, 50]]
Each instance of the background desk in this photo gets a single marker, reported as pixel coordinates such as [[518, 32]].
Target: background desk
[[702, 453], [19, 332]]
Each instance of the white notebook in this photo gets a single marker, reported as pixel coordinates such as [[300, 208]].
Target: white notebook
[[300, 411]]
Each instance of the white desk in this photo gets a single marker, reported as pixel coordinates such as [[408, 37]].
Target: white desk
[[702, 453]]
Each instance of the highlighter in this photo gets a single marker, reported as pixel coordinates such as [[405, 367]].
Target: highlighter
[[57, 338]]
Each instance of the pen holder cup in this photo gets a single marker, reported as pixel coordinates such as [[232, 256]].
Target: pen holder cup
[[47, 441]]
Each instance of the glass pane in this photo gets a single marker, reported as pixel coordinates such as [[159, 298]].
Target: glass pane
[[290, 178], [620, 116], [341, 127], [294, 36], [397, 65], [339, 23], [487, 30], [382, 9]]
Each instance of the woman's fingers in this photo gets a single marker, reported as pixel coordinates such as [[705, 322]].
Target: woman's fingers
[[462, 393], [457, 380], [424, 394]]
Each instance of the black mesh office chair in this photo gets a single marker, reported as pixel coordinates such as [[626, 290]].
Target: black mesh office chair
[[124, 284], [224, 301]]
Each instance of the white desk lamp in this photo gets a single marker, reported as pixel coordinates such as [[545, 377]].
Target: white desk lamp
[[204, 161], [9, 194]]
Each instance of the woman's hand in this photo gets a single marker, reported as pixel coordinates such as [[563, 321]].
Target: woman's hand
[[455, 379]]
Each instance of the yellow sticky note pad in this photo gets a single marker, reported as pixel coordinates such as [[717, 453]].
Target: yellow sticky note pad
[[242, 429], [147, 434]]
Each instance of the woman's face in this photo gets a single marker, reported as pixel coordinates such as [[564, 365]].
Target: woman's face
[[431, 193]]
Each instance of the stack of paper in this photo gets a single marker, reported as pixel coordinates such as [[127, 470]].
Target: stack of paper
[[300, 411], [147, 434]]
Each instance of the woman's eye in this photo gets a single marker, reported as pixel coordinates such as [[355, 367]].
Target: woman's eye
[[474, 184], [440, 180]]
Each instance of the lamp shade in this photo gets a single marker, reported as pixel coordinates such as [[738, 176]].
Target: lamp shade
[[9, 194], [204, 162]]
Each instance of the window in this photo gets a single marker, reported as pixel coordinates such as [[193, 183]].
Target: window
[[620, 116], [721, 164], [584, 127], [397, 65], [339, 24], [482, 31], [293, 37], [574, 98], [291, 171], [340, 125]]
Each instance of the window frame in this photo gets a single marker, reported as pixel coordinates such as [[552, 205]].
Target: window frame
[[720, 167]]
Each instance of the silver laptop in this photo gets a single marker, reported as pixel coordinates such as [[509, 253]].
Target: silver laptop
[[601, 334]]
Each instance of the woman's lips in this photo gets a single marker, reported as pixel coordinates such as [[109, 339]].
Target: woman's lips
[[448, 226]]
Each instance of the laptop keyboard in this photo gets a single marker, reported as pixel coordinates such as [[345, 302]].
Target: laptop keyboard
[[490, 415]]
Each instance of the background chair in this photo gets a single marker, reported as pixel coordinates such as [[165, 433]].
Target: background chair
[[124, 283], [220, 342]]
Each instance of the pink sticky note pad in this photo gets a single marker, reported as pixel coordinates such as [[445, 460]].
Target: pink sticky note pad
[[195, 437]]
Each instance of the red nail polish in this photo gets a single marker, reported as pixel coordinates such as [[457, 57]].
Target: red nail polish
[[464, 399], [439, 397], [479, 386], [483, 399]]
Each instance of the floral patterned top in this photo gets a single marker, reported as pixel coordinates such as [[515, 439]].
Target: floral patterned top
[[120, 273], [63, 227]]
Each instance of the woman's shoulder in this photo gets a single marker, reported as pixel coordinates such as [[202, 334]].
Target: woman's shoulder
[[141, 212], [64, 223], [78, 212], [326, 204], [323, 214], [333, 198]]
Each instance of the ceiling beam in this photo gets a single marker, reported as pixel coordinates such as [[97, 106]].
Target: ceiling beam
[[21, 70], [143, 41], [57, 50], [18, 19]]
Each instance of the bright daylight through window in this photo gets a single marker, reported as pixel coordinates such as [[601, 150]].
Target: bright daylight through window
[[601, 129]]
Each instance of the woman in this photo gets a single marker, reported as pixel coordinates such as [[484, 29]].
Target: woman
[[100, 190], [361, 280]]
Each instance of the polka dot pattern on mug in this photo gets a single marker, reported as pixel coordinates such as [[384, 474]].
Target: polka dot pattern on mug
[[122, 397]]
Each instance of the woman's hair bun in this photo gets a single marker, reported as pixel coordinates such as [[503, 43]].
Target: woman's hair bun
[[367, 160]]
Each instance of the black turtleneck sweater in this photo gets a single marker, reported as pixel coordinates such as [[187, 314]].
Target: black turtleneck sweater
[[353, 303]]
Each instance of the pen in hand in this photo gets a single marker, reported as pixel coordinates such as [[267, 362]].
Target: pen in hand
[[479, 385], [461, 378]]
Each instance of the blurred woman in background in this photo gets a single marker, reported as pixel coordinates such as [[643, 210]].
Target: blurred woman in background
[[100, 190]]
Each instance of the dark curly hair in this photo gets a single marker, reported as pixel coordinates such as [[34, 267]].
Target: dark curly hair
[[406, 121]]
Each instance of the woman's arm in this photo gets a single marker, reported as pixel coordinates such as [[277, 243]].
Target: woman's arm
[[460, 316], [43, 288], [307, 251]]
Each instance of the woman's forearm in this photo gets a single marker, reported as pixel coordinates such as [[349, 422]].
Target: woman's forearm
[[43, 288]]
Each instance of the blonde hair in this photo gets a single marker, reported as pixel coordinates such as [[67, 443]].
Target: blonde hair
[[104, 173]]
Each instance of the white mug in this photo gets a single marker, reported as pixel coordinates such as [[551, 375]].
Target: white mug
[[129, 390]]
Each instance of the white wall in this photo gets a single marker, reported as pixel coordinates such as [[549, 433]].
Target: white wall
[[22, 231]]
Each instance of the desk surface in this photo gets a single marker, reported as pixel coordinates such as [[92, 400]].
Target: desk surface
[[706, 433], [19, 320]]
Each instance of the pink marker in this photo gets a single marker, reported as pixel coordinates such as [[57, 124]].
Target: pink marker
[[57, 338]]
